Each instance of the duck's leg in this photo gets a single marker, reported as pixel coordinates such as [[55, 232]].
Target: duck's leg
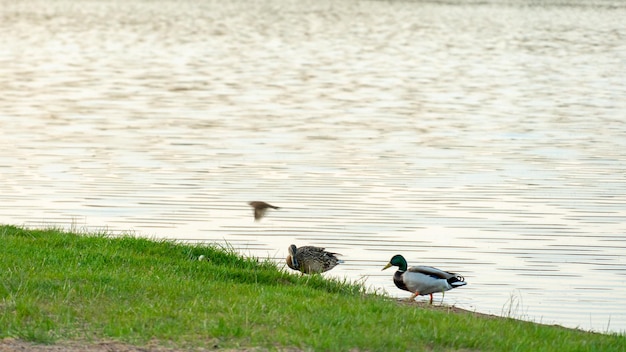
[[412, 298], [431, 298]]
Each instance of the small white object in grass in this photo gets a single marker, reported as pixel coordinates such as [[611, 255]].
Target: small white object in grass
[[201, 258]]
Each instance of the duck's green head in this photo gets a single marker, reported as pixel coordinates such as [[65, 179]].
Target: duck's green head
[[397, 260]]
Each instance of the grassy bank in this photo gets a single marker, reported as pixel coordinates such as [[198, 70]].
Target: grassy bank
[[57, 286]]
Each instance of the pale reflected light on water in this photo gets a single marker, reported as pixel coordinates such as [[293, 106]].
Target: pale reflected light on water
[[485, 138]]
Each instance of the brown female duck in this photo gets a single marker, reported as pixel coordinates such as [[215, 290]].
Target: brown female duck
[[311, 260]]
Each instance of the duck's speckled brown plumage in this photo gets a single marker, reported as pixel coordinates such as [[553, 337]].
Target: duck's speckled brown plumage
[[311, 260]]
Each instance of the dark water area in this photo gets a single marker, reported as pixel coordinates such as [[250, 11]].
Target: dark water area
[[484, 138]]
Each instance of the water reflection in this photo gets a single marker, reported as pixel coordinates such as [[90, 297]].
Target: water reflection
[[485, 139]]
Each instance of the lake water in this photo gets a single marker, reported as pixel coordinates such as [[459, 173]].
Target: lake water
[[485, 138]]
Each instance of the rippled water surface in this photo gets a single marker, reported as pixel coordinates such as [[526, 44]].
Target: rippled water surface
[[487, 139]]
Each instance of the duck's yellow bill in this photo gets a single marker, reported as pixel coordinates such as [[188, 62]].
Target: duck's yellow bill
[[386, 266]]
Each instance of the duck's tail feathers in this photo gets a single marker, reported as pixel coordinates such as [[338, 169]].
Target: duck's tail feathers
[[457, 281]]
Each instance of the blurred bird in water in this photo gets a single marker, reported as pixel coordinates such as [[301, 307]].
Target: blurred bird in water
[[311, 260], [260, 208]]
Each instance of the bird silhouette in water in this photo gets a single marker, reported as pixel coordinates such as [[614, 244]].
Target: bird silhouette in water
[[260, 208], [423, 280], [311, 260]]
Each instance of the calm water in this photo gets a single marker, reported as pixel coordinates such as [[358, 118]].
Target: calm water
[[483, 138]]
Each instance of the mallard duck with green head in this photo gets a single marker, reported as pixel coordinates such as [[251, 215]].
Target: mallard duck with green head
[[311, 260], [423, 280]]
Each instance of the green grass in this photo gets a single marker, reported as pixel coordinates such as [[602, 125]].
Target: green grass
[[57, 286]]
